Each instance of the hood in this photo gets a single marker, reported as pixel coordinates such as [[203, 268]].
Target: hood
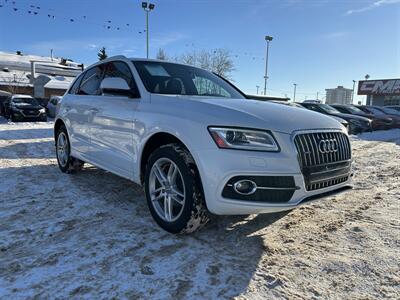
[[27, 106], [256, 114], [349, 116]]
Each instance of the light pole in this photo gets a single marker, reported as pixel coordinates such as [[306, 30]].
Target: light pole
[[147, 8], [294, 92], [257, 86], [352, 95], [268, 39]]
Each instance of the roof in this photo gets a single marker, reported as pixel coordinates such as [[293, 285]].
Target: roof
[[20, 96], [21, 78], [44, 65], [59, 82]]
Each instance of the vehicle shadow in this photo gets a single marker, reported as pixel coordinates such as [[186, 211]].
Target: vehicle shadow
[[91, 234], [28, 133], [40, 149]]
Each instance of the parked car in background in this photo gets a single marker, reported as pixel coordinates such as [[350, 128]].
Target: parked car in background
[[25, 108], [395, 107], [294, 104], [357, 124], [383, 112], [4, 99], [196, 143], [52, 106], [378, 122]]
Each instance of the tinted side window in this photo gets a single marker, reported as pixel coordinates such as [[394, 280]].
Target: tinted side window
[[121, 70], [90, 84], [341, 109], [75, 87], [312, 107]]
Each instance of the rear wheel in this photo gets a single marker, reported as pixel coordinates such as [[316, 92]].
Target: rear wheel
[[66, 162], [173, 190]]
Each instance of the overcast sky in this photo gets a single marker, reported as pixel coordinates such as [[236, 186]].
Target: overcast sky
[[317, 44]]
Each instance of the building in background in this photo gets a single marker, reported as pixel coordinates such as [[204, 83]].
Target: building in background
[[380, 92], [38, 76], [339, 95]]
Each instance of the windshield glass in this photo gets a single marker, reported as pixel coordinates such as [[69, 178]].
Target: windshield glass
[[329, 109], [175, 79], [354, 109], [390, 111], [375, 111], [30, 101]]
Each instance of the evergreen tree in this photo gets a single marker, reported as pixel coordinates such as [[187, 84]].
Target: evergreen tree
[[102, 54]]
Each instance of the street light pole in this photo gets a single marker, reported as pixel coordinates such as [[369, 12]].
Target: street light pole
[[294, 92], [268, 39], [352, 94], [147, 8], [257, 86]]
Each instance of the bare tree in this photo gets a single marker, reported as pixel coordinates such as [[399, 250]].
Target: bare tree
[[189, 58], [14, 81], [218, 60], [102, 54], [222, 62], [161, 54]]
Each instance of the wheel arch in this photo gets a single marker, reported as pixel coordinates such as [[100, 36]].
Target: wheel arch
[[155, 141], [57, 124]]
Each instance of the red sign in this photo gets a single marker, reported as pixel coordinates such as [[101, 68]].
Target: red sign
[[385, 87]]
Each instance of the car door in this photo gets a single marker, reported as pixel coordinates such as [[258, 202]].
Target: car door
[[80, 107], [112, 124]]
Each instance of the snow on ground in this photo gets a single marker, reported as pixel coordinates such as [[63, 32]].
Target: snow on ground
[[90, 235]]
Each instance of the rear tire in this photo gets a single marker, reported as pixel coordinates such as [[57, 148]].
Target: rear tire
[[66, 162], [175, 198]]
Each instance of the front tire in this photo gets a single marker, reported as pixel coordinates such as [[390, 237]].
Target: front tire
[[66, 162], [173, 190]]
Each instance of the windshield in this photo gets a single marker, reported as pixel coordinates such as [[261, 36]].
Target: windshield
[[30, 101], [375, 111], [329, 109], [176, 79], [354, 109], [390, 111]]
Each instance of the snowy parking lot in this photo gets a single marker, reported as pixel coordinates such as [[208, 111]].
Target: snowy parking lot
[[90, 235]]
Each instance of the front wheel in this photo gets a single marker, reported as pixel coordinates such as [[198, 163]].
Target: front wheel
[[66, 162], [173, 190]]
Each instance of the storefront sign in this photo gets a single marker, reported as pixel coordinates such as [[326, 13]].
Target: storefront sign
[[385, 87]]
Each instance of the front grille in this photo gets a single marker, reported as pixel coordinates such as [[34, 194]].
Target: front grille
[[324, 157], [30, 113], [326, 183]]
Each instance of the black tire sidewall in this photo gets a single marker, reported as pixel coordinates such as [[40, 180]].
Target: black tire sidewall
[[65, 168], [189, 182]]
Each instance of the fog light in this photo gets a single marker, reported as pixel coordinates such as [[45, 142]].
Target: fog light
[[245, 187]]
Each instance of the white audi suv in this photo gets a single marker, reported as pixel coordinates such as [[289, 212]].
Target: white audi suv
[[196, 143]]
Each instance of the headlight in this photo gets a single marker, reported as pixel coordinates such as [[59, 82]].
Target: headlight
[[244, 139], [355, 122], [42, 110]]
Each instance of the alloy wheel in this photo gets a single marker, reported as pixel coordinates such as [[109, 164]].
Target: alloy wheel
[[62, 149], [167, 189]]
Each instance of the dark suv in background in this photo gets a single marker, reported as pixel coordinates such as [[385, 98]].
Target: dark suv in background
[[380, 111], [378, 122], [357, 124], [24, 108]]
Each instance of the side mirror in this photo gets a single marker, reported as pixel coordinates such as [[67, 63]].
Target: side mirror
[[115, 86]]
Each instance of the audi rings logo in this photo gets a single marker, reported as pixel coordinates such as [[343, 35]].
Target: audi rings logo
[[328, 146]]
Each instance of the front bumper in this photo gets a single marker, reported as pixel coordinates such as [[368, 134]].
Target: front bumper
[[21, 115], [218, 166]]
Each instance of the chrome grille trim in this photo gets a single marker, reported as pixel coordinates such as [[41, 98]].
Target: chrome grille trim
[[308, 149], [321, 170]]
